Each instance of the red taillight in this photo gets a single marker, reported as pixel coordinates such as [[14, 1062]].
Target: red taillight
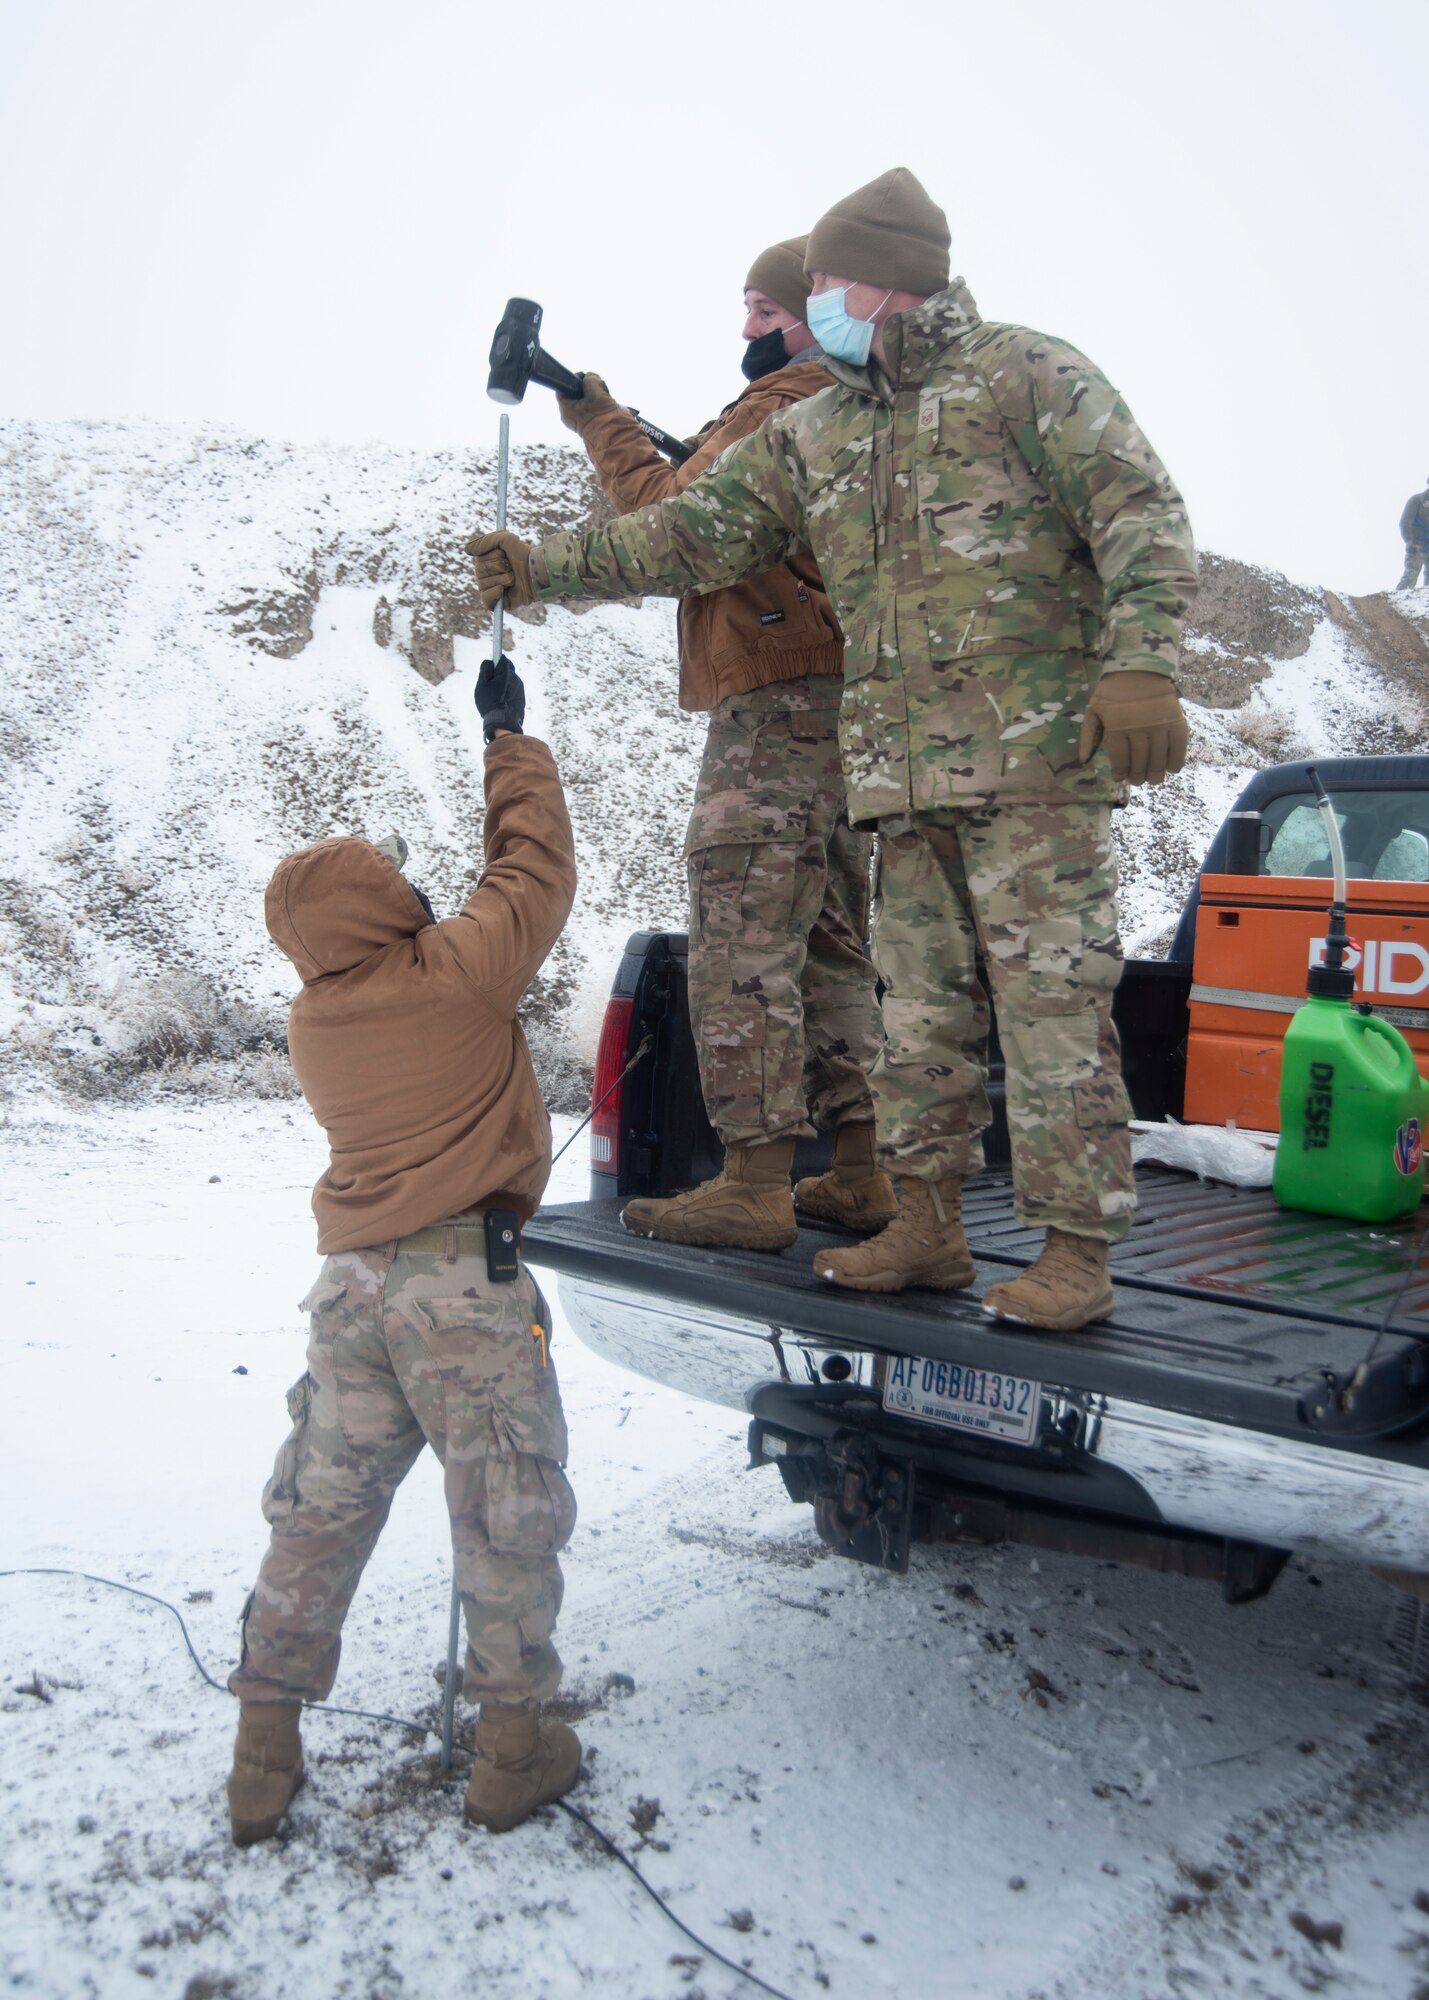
[[610, 1060]]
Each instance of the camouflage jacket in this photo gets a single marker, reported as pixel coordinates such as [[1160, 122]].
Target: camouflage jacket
[[994, 533]]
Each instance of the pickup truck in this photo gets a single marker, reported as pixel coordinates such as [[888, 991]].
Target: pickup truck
[[1263, 1386]]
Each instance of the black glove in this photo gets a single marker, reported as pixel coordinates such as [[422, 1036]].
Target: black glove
[[500, 697]]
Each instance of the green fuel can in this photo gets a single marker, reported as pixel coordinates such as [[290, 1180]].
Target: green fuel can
[[1353, 1109]]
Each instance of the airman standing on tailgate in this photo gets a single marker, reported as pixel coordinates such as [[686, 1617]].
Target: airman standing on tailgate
[[781, 992], [1010, 564]]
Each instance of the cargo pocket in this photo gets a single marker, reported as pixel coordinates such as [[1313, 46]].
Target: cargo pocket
[[481, 1349], [530, 1508], [533, 1422], [470, 1313], [817, 724], [328, 1292], [280, 1495], [1054, 964], [742, 900], [1101, 1103], [759, 778], [501, 1366]]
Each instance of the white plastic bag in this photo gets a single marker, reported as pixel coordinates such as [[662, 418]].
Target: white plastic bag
[[1215, 1152]]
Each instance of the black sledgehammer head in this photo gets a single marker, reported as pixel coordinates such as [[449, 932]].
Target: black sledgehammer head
[[517, 357], [514, 348]]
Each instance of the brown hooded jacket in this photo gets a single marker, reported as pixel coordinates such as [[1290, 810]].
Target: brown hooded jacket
[[771, 627], [404, 1037]]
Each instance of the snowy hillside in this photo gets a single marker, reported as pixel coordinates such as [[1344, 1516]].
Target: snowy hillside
[[216, 649]]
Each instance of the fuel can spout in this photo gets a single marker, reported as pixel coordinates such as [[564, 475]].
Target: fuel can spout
[[1333, 980]]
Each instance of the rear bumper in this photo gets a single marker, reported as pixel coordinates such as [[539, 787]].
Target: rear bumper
[[1107, 1455]]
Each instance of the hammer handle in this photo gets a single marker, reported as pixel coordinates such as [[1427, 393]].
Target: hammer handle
[[503, 456], [676, 452], [551, 375], [546, 370]]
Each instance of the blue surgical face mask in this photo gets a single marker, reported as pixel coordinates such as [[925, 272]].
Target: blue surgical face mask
[[831, 324]]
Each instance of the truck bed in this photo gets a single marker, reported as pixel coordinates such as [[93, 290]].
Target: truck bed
[[1228, 1308]]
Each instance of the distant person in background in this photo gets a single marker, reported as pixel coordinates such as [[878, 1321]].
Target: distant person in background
[[1414, 527], [782, 999], [426, 1326]]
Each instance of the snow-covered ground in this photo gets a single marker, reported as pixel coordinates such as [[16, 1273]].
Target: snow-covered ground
[[997, 1778]]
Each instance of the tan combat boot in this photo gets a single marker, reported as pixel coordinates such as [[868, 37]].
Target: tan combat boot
[[923, 1245], [521, 1763], [1068, 1286], [747, 1207], [267, 1769], [855, 1192]]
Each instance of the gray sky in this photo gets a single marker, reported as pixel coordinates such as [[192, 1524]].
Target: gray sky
[[304, 217]]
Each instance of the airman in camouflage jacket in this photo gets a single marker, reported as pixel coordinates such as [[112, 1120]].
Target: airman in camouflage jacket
[[994, 532]]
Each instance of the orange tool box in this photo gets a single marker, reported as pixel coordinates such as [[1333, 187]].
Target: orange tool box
[[1256, 938]]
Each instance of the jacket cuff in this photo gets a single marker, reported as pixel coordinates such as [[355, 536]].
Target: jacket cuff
[[1134, 663], [553, 568], [1146, 641]]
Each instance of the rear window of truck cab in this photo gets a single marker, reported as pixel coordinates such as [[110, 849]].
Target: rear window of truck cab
[[1385, 835]]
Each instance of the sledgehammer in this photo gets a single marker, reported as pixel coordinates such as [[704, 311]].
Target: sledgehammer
[[517, 357]]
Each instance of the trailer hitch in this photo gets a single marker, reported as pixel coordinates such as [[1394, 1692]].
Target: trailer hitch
[[866, 1508]]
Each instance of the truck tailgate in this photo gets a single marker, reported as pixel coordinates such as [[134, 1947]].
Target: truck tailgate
[[1227, 1306]]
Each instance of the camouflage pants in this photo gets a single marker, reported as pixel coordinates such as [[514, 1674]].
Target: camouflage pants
[[1416, 559], [1033, 887], [411, 1343], [781, 993]]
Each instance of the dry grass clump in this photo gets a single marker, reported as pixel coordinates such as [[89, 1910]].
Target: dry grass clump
[[1266, 737], [563, 1073], [179, 1035], [174, 1030], [264, 1073]]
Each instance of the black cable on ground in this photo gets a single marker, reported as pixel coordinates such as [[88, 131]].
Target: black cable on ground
[[624, 1859], [149, 1598], [130, 1590], [401, 1722]]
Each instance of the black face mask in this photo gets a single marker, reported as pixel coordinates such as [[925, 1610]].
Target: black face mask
[[763, 356]]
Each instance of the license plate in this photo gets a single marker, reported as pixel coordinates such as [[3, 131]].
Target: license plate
[[963, 1398]]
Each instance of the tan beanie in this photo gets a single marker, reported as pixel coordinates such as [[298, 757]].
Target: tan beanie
[[778, 272], [888, 233]]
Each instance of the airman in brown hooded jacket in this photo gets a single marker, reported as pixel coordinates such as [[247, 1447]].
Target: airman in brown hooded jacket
[[406, 1043], [781, 991]]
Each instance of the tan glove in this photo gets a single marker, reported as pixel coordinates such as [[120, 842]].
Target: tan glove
[[1141, 719], [503, 568], [578, 411]]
